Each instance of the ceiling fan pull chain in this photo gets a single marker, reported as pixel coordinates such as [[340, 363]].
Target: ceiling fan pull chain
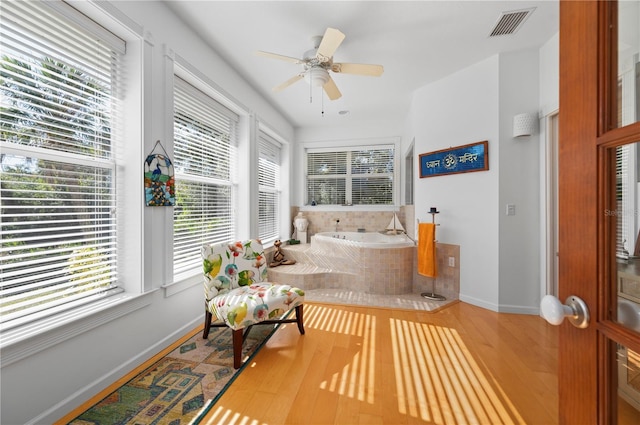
[[322, 103]]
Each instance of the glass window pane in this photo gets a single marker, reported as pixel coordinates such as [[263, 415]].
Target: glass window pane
[[326, 191], [372, 191], [628, 62], [628, 388], [205, 150], [59, 84]]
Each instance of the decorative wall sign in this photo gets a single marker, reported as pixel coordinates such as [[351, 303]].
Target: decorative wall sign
[[461, 159], [159, 181]]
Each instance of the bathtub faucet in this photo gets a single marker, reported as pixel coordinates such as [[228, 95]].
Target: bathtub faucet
[[337, 221], [410, 238]]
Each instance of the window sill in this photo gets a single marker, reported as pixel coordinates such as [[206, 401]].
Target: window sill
[[30, 338], [182, 283], [349, 208]]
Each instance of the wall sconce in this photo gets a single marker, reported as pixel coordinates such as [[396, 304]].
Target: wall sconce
[[525, 124]]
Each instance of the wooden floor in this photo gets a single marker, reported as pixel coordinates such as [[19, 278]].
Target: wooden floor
[[359, 365]]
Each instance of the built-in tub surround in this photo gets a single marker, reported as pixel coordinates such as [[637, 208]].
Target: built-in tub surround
[[380, 264], [377, 266], [325, 263]]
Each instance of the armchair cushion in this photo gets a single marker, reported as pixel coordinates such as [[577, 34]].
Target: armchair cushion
[[236, 288]]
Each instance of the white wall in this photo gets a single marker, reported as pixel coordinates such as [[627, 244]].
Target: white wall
[[519, 166], [499, 254], [460, 109], [550, 75], [100, 349]]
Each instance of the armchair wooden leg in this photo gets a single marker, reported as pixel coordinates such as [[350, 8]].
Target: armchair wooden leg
[[207, 324], [299, 319], [237, 347]]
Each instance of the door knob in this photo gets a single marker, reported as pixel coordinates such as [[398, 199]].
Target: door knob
[[554, 312]]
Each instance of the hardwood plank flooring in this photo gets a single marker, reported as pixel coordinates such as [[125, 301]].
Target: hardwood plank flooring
[[366, 365]]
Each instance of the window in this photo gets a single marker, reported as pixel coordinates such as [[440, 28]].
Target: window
[[59, 86], [355, 176], [205, 134], [268, 188]]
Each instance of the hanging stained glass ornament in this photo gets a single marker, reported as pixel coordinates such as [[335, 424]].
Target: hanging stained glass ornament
[[159, 180]]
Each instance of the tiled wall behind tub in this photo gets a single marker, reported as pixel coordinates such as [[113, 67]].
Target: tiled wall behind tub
[[351, 221]]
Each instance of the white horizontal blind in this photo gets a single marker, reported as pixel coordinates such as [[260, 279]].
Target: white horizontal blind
[[350, 176], [268, 188], [205, 140], [372, 177], [623, 197], [326, 177], [58, 81]]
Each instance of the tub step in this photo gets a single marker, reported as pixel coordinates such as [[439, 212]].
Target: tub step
[[301, 253], [304, 273]]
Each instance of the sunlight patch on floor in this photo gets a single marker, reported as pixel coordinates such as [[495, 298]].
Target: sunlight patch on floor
[[220, 415], [357, 378], [438, 380]]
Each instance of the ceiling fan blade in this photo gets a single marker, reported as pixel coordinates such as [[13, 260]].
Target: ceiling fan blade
[[331, 90], [358, 69], [331, 40], [287, 83], [277, 56]]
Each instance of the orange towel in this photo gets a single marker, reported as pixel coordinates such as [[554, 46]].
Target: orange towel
[[427, 265]]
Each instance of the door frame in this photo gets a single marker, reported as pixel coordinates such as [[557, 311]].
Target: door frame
[[549, 284]]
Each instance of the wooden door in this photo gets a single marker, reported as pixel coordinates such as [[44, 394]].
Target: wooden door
[[595, 363]]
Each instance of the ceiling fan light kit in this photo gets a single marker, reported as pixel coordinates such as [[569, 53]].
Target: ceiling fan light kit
[[318, 62], [317, 77]]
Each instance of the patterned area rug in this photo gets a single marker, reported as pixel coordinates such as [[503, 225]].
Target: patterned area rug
[[180, 387]]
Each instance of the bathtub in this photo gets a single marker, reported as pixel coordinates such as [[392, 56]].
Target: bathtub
[[368, 262], [366, 239]]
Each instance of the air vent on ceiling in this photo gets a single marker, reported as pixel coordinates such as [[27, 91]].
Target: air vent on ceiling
[[510, 22]]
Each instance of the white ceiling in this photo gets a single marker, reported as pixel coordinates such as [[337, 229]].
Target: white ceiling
[[417, 42]]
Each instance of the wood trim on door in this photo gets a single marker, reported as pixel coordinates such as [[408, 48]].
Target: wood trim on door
[[578, 206]]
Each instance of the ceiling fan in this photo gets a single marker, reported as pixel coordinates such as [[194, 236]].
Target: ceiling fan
[[318, 61]]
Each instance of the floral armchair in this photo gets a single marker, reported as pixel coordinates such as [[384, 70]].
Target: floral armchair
[[238, 295]]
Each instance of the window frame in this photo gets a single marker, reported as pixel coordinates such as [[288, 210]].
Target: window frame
[[35, 333], [349, 176], [219, 117]]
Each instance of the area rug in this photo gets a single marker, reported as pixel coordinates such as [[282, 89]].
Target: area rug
[[179, 388]]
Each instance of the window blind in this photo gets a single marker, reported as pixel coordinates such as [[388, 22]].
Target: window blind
[[350, 176], [205, 140], [326, 177], [624, 203], [59, 79], [268, 188], [372, 176]]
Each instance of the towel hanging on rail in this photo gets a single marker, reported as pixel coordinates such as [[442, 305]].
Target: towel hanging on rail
[[427, 263]]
